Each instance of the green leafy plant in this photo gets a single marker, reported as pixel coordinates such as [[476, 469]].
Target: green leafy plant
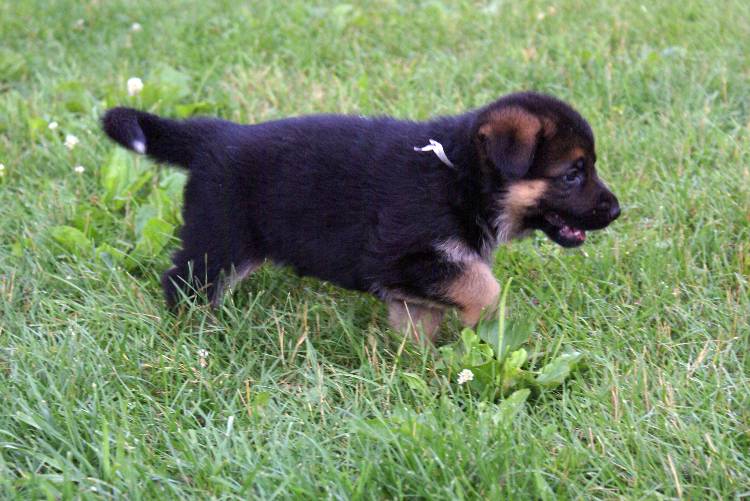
[[131, 192], [491, 362], [134, 196]]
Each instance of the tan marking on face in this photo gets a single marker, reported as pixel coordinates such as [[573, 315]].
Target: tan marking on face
[[515, 204], [559, 167], [474, 290], [522, 195], [575, 153], [422, 322]]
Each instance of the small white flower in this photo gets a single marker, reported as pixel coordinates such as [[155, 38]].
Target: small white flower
[[52, 126], [79, 24], [540, 16], [202, 356], [465, 376], [71, 141], [2, 170], [136, 27], [135, 86], [79, 169]]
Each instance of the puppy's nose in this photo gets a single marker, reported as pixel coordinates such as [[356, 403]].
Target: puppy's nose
[[608, 205]]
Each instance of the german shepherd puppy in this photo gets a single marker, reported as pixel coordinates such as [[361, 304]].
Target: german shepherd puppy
[[408, 211]]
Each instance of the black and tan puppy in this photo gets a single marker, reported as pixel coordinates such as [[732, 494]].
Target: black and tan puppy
[[408, 211]]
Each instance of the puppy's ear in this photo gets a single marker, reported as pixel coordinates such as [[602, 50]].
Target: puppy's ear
[[509, 138]]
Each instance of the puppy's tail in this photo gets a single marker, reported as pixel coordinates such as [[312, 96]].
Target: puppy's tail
[[164, 140]]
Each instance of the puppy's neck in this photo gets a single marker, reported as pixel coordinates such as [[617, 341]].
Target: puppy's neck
[[478, 194], [451, 133]]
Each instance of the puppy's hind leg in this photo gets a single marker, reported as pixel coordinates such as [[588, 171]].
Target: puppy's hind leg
[[219, 246], [190, 275], [211, 254], [204, 274], [237, 272]]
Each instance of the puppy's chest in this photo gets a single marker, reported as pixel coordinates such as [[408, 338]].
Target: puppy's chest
[[458, 251], [499, 228]]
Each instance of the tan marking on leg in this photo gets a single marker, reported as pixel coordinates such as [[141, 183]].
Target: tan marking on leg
[[473, 291], [421, 322]]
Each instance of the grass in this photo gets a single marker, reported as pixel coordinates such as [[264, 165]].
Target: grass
[[300, 391]]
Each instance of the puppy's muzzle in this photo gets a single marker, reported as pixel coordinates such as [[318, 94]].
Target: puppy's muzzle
[[608, 206], [606, 210]]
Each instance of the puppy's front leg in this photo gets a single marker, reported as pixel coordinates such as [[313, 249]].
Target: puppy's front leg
[[422, 321], [473, 290]]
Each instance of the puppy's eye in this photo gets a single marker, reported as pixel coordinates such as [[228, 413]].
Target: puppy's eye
[[572, 177]]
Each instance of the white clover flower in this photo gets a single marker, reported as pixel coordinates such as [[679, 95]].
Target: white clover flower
[[465, 376], [202, 356], [540, 16], [79, 169], [52, 126], [2, 170], [71, 141], [136, 27], [135, 86]]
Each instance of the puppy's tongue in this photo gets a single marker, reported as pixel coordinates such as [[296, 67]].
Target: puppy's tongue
[[565, 231], [572, 233]]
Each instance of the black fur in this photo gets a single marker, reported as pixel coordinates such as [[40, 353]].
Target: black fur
[[342, 198]]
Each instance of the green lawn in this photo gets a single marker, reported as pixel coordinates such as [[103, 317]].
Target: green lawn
[[303, 391]]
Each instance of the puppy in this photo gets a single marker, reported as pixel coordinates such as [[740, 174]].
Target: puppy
[[408, 211]]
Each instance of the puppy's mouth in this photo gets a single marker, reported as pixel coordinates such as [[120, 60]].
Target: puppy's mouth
[[560, 231]]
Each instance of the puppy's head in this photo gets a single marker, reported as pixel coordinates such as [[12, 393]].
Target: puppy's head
[[537, 154]]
